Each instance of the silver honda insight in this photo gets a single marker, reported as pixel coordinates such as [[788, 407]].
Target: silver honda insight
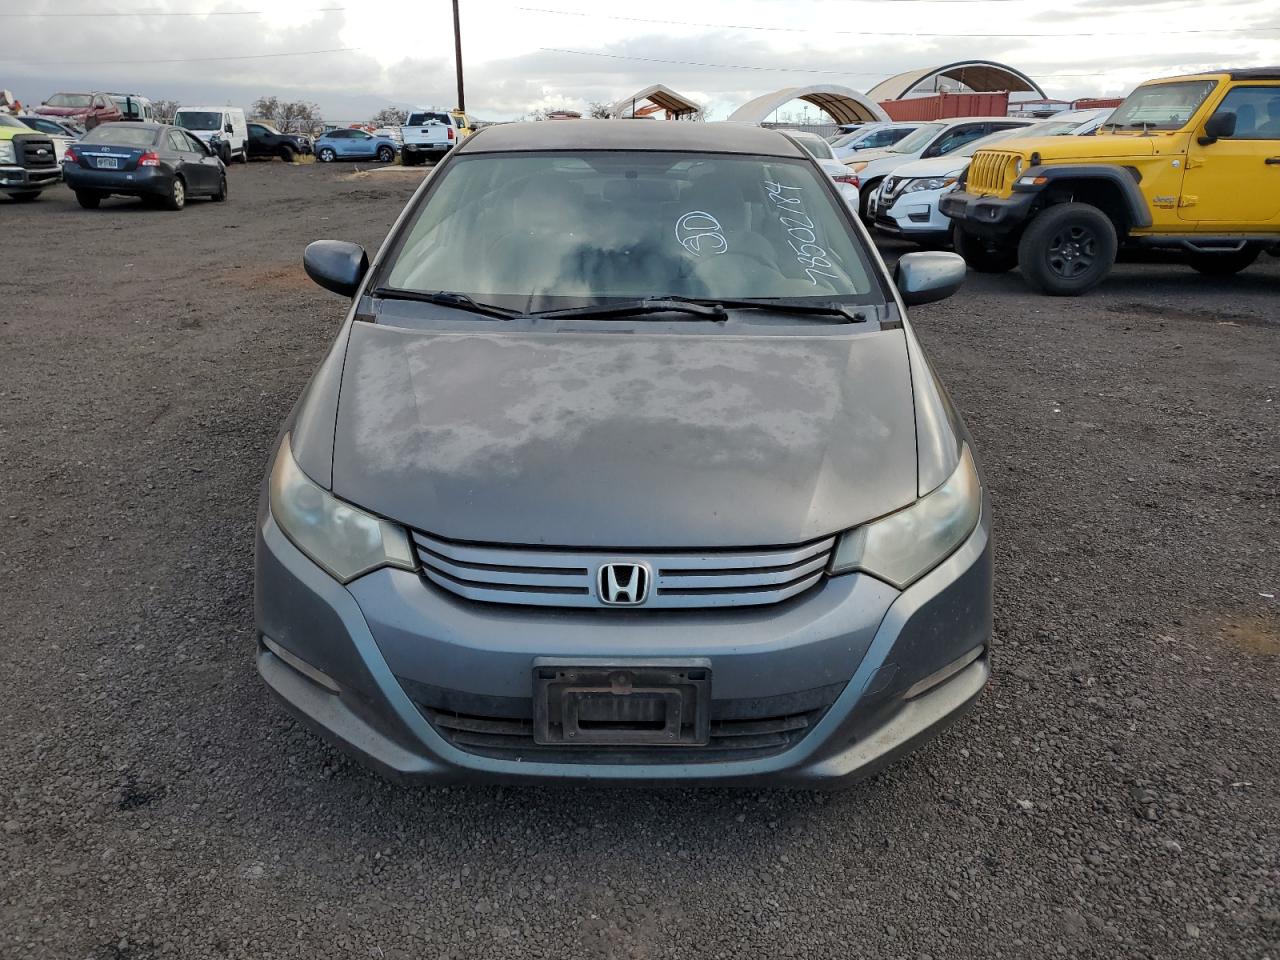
[[625, 466]]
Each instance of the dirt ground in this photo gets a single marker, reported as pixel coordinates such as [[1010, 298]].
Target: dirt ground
[[1114, 794]]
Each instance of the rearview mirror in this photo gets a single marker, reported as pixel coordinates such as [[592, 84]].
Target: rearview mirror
[[928, 277], [336, 265], [1218, 126]]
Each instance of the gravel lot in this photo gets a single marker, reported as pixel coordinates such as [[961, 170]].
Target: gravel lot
[[1115, 793]]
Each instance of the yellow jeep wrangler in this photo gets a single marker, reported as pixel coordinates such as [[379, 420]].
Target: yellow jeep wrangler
[[1190, 163]]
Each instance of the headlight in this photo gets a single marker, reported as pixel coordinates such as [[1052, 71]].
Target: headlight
[[1017, 167], [343, 539], [928, 183], [904, 546], [7, 154]]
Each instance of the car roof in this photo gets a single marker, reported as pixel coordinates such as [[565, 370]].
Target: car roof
[[716, 137]]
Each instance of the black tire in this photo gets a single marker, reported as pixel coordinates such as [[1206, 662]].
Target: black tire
[[221, 195], [865, 191], [25, 196], [287, 154], [410, 159], [1068, 249], [982, 255], [224, 154], [244, 154], [1223, 264], [326, 155], [386, 154], [176, 198], [88, 199]]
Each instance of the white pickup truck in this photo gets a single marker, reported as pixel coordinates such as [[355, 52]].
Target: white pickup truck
[[428, 133]]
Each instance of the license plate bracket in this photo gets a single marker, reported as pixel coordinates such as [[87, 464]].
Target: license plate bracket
[[108, 163], [601, 702]]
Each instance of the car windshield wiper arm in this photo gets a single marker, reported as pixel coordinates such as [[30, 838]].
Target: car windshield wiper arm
[[830, 309], [710, 309], [446, 298]]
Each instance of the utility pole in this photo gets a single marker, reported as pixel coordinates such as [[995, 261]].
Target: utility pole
[[457, 54]]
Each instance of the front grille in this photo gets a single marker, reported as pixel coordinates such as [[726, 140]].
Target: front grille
[[891, 188], [502, 728], [991, 172], [30, 155], [682, 579]]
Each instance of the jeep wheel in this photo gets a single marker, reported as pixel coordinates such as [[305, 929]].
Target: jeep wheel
[[984, 256], [1068, 249], [88, 199], [1223, 264]]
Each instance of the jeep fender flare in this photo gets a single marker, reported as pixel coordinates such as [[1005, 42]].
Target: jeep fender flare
[[1124, 179]]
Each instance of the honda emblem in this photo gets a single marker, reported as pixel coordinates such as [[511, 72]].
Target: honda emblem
[[623, 584]]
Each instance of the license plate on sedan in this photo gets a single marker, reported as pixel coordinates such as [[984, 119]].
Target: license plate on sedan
[[620, 703], [108, 163]]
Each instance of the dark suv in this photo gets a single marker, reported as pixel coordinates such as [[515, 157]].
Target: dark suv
[[266, 141]]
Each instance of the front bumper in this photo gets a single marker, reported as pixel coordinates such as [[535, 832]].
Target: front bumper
[[145, 181], [21, 179], [912, 216], [352, 662], [986, 216]]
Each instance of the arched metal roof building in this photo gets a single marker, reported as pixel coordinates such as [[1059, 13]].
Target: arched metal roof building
[[841, 103], [658, 94], [977, 75]]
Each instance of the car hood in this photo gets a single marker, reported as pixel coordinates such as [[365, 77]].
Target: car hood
[[933, 167], [626, 439], [1081, 149], [63, 111]]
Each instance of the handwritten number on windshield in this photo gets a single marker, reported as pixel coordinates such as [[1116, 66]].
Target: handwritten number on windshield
[[802, 234]]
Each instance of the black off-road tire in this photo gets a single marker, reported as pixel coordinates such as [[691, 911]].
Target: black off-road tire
[[983, 255], [1068, 249], [1223, 264]]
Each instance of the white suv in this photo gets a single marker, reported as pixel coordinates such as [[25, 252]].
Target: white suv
[[906, 205], [933, 139]]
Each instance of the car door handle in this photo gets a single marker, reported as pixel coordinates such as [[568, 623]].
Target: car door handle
[[1272, 161]]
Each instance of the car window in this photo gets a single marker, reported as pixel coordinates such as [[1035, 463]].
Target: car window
[[198, 120], [917, 141], [178, 141], [1257, 111], [573, 228], [197, 146], [816, 147], [121, 135], [422, 119], [957, 137], [1161, 106], [70, 100], [257, 129], [359, 135]]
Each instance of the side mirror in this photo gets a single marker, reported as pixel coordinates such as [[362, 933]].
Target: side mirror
[[1218, 126], [928, 277], [229, 129], [336, 265]]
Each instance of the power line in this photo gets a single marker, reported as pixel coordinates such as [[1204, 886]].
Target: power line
[[743, 66], [158, 13], [113, 63], [886, 33]]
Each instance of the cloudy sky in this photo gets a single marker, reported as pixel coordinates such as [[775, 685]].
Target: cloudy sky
[[354, 56]]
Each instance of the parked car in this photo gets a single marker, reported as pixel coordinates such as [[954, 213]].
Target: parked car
[[61, 134], [1189, 163], [28, 160], [86, 109], [391, 133], [820, 150], [907, 204], [870, 136], [428, 133], [222, 128], [266, 141], [160, 163], [133, 107], [934, 139], [745, 542], [354, 144]]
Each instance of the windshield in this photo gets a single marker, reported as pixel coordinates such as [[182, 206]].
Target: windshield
[[70, 100], [573, 228], [919, 139], [1161, 106], [198, 120], [123, 135]]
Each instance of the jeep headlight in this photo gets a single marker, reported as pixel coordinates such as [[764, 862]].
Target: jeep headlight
[[904, 546], [7, 153], [341, 538]]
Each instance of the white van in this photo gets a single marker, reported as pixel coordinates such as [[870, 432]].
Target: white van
[[222, 128]]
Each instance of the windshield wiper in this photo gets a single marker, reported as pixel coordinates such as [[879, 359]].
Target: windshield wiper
[[712, 310], [446, 298], [799, 307]]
